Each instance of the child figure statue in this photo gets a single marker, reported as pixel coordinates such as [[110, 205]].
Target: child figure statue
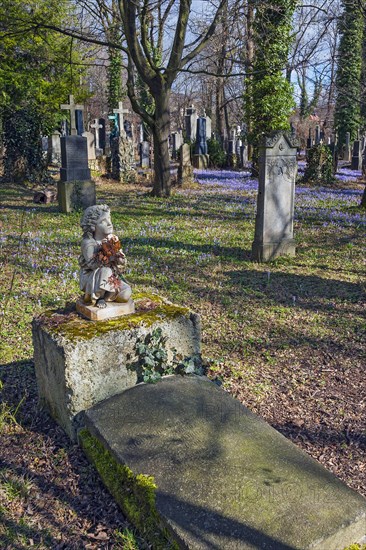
[[102, 260]]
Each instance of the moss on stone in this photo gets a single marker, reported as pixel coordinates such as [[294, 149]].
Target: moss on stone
[[135, 494], [73, 326]]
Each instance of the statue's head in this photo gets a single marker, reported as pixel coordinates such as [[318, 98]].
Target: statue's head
[[90, 218]]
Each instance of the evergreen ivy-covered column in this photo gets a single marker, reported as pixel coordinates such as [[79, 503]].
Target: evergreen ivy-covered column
[[347, 117], [271, 99]]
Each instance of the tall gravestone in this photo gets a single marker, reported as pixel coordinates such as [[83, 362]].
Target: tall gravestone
[[79, 121], [54, 149], [90, 138], [190, 121], [208, 126], [317, 135], [185, 170], [309, 141], [347, 154], [121, 146], [356, 162], [96, 126], [73, 108], [145, 154], [200, 157], [102, 134], [75, 188], [243, 155], [275, 203], [177, 140]]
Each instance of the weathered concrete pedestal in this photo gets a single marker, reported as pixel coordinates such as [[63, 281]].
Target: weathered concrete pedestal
[[75, 195], [189, 464], [79, 362]]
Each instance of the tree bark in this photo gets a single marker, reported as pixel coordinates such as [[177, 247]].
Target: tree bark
[[249, 70], [161, 130]]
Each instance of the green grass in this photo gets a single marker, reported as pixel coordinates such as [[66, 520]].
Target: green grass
[[193, 249], [269, 329]]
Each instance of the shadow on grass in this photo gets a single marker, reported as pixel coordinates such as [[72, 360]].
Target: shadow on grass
[[310, 291], [226, 252], [62, 480], [321, 436]]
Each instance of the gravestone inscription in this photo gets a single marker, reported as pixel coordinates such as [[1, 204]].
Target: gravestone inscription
[[75, 187], [74, 158], [275, 203]]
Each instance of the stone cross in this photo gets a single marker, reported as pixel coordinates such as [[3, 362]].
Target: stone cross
[[120, 112], [96, 126], [72, 107]]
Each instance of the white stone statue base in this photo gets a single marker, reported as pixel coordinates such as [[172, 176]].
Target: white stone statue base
[[112, 310]]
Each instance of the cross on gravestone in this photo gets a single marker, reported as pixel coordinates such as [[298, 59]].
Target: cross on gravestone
[[96, 126], [120, 112], [72, 107]]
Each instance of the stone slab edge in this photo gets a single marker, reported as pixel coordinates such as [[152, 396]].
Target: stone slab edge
[[135, 494], [355, 531]]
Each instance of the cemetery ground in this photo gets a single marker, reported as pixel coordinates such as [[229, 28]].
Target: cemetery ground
[[286, 338]]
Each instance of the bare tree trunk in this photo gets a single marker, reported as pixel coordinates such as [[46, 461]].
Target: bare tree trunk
[[249, 65], [219, 109], [161, 130], [330, 99]]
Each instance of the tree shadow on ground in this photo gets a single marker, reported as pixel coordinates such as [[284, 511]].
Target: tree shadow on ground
[[310, 291], [66, 493]]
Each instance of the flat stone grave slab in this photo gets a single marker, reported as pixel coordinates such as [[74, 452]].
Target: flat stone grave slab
[[224, 478]]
